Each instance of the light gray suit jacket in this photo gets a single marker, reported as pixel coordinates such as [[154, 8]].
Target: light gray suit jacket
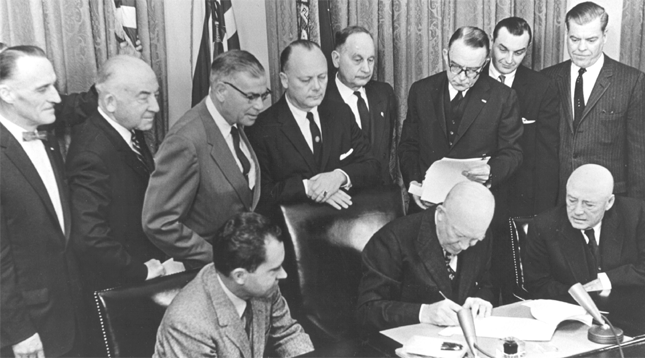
[[202, 322], [195, 188], [611, 132]]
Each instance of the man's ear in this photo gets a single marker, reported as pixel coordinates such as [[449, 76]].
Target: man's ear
[[335, 58], [441, 212], [219, 90], [284, 80], [110, 103], [610, 202], [239, 275], [6, 94]]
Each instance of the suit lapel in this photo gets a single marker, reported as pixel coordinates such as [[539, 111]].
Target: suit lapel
[[61, 183], [477, 97], [600, 87], [227, 317], [377, 103], [564, 86], [258, 175], [430, 250], [222, 156], [439, 95], [520, 84], [294, 135], [572, 246], [259, 324], [468, 270], [129, 157], [611, 233], [327, 130], [13, 150]]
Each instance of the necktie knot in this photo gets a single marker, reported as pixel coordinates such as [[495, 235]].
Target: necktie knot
[[358, 94], [502, 78], [581, 71], [34, 135], [458, 97]]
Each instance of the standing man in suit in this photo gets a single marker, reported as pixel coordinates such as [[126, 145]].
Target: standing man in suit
[[597, 239], [372, 103], [534, 187], [206, 170], [108, 166], [309, 151], [601, 105], [424, 267], [460, 114], [234, 308], [40, 291]]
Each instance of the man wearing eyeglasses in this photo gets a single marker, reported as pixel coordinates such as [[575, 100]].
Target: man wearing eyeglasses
[[205, 170], [461, 114]]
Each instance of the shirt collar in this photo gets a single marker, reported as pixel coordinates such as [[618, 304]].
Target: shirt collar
[[299, 113], [453, 91], [240, 304], [509, 78], [347, 93], [123, 132], [221, 123], [13, 128], [593, 70]]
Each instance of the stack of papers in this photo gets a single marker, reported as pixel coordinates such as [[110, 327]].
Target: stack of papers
[[421, 346]]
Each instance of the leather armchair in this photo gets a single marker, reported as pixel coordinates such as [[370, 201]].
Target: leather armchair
[[519, 228], [131, 315], [328, 245]]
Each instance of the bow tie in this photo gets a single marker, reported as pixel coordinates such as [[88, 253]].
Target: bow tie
[[34, 135]]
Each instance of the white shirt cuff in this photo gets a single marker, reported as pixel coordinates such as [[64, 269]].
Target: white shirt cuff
[[423, 306], [305, 182], [605, 282]]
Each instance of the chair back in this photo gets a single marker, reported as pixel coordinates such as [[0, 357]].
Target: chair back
[[519, 228], [131, 315], [328, 245]]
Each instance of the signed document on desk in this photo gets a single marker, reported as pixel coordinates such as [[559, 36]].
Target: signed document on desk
[[547, 315], [443, 175]]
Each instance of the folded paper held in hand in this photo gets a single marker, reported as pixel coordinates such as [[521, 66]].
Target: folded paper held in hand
[[443, 175]]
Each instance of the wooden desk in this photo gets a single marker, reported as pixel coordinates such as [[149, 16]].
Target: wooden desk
[[626, 309]]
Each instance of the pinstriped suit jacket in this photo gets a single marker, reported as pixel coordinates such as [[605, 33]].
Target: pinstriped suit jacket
[[612, 129]]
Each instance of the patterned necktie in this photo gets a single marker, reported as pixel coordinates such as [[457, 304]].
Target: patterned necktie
[[34, 135], [578, 99], [316, 139], [246, 165], [447, 258], [593, 246], [136, 148], [363, 112], [502, 78]]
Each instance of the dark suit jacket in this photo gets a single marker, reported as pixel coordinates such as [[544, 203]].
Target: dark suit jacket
[[40, 289], [285, 157], [202, 322], [384, 127], [195, 188], [490, 126], [554, 256], [534, 187], [404, 267], [107, 185], [612, 129]]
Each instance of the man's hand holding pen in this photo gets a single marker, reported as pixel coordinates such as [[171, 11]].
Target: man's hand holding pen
[[444, 313]]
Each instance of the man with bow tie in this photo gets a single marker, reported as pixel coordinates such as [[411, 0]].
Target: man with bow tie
[[40, 291]]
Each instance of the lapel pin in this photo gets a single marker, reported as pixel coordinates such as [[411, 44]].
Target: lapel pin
[[483, 100], [382, 115], [317, 139]]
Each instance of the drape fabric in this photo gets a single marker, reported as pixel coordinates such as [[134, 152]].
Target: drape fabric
[[411, 34], [632, 37], [78, 36]]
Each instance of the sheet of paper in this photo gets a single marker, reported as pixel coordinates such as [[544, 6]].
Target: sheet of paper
[[526, 329], [552, 311], [444, 174]]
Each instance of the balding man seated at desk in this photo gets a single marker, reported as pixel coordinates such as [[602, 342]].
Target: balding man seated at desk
[[597, 239], [422, 267]]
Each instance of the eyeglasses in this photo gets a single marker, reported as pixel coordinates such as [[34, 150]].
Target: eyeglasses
[[470, 72], [250, 96]]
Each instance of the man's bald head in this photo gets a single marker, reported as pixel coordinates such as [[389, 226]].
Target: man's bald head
[[464, 217], [589, 195], [127, 89]]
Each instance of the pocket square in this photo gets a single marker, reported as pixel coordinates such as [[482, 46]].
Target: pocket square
[[345, 155], [526, 121]]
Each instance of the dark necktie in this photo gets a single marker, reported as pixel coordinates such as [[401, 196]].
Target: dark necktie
[[247, 318], [593, 246], [502, 78], [136, 148], [364, 113], [578, 99], [246, 165], [451, 273], [34, 135], [316, 139], [455, 105]]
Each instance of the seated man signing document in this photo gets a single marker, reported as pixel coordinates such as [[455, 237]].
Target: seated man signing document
[[422, 267]]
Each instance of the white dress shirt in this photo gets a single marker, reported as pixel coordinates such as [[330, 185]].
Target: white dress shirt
[[240, 304], [125, 133], [508, 79], [453, 92], [37, 153], [225, 128], [348, 96], [588, 79]]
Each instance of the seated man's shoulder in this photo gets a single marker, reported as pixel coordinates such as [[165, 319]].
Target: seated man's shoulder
[[192, 301], [399, 230]]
